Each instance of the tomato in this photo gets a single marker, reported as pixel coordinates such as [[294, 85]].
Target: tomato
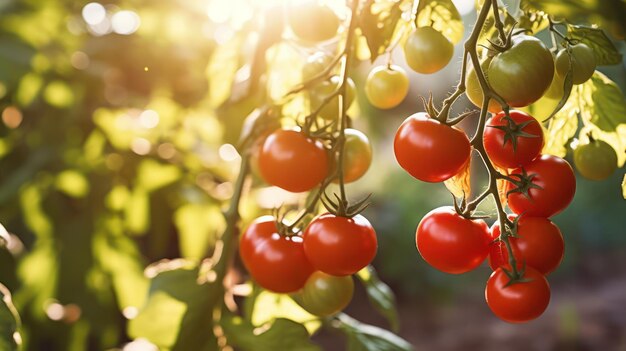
[[558, 185], [357, 155], [518, 302], [313, 22], [276, 262], [331, 110], [501, 151], [473, 90], [596, 160], [427, 51], [339, 245], [539, 245], [386, 87], [324, 295], [521, 74], [292, 161], [583, 63], [450, 242], [315, 64], [429, 150]]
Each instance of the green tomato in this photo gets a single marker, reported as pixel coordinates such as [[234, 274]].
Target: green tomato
[[386, 87], [324, 295], [523, 73], [331, 110], [312, 22], [357, 155], [427, 51], [583, 63], [596, 160], [314, 65], [474, 92]]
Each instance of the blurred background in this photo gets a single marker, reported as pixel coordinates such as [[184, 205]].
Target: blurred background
[[119, 121]]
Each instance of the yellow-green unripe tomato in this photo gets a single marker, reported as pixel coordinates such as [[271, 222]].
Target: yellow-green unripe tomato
[[386, 86], [427, 51], [313, 22], [522, 73], [583, 63], [331, 110], [473, 90], [357, 155], [324, 295], [596, 160], [314, 65]]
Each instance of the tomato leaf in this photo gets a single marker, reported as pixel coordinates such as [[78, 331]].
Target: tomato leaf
[[178, 313], [562, 127], [364, 337], [10, 339], [269, 306], [603, 48], [460, 184], [441, 15], [380, 295], [603, 110], [378, 22], [568, 84], [225, 62], [280, 334]]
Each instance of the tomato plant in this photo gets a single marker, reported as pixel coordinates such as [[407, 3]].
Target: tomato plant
[[292, 161], [386, 86], [519, 302], [539, 244], [550, 187], [427, 51], [451, 243], [429, 150], [276, 262], [513, 142], [339, 245], [325, 295], [595, 160]]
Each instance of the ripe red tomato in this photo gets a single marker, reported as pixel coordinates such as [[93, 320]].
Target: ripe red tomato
[[539, 245], [558, 185], [428, 150], [325, 295], [501, 151], [276, 262], [339, 245], [519, 302], [450, 242], [292, 161]]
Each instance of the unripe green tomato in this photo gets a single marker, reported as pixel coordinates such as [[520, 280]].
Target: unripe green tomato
[[314, 65], [331, 110], [386, 87], [357, 155], [523, 73], [596, 160], [427, 51], [324, 295], [473, 90], [313, 22], [583, 63]]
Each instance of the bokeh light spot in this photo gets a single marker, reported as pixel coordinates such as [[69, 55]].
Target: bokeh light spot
[[94, 13], [79, 60], [12, 117], [125, 22], [228, 153]]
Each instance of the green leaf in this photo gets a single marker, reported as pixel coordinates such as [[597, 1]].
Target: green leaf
[[380, 295], [269, 306], [198, 227], [443, 16], [562, 127], [178, 314], [281, 334], [10, 339], [222, 68], [364, 337], [152, 175], [603, 48], [378, 23], [137, 211]]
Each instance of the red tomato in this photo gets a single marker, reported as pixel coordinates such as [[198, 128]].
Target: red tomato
[[428, 150], [519, 302], [501, 151], [292, 161], [276, 262], [539, 245], [339, 245], [450, 242], [558, 185]]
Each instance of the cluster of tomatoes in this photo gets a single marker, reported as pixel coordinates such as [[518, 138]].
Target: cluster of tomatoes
[[537, 186]]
